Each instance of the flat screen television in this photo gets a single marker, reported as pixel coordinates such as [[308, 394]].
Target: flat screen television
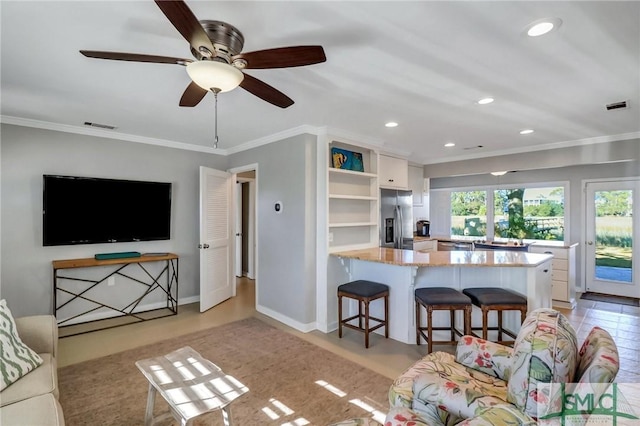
[[86, 210]]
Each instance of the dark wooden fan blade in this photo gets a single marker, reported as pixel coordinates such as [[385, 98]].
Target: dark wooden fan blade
[[265, 92], [192, 96], [118, 56], [186, 23], [283, 57]]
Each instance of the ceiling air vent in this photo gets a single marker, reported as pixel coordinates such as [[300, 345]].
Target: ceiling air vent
[[617, 105], [100, 126], [473, 147]]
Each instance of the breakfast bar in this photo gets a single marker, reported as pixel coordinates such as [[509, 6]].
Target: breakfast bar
[[406, 270]]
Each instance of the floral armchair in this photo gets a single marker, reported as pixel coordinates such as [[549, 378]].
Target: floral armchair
[[485, 383]]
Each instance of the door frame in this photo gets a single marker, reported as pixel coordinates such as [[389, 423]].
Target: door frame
[[250, 232], [585, 224], [234, 171]]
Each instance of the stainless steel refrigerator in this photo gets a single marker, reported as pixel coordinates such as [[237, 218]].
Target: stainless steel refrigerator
[[396, 215]]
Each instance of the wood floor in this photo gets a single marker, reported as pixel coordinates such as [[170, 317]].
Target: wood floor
[[385, 356]]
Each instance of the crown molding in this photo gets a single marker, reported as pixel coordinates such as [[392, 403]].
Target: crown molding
[[109, 134], [275, 137]]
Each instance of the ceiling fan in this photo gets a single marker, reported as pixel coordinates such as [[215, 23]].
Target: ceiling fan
[[216, 47]]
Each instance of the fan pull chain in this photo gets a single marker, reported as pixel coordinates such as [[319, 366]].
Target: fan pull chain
[[215, 94]]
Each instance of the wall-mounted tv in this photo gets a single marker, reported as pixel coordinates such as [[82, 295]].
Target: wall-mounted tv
[[86, 210]]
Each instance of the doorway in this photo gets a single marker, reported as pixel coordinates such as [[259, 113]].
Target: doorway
[[245, 224], [611, 228]]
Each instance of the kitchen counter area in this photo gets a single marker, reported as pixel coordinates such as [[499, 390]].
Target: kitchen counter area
[[406, 270]]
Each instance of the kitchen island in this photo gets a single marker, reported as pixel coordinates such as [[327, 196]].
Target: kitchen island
[[405, 270]]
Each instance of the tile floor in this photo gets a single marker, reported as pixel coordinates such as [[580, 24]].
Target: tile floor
[[385, 356]]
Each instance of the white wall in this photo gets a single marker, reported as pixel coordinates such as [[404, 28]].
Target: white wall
[[27, 154], [286, 254]]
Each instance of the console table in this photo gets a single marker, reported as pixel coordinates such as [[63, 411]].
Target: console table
[[93, 306]]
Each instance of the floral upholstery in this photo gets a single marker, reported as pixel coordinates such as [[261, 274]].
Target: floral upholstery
[[504, 414], [482, 355], [545, 351], [403, 416], [599, 361], [459, 390], [490, 384]]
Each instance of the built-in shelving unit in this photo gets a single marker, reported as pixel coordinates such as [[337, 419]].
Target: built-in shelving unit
[[353, 202]]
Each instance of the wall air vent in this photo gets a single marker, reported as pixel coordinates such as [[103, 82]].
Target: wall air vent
[[473, 147], [100, 126], [617, 105]]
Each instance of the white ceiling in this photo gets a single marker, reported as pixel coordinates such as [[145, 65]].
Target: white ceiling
[[422, 64]]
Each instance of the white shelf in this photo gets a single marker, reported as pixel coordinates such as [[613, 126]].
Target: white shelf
[[351, 224], [352, 173], [353, 197]]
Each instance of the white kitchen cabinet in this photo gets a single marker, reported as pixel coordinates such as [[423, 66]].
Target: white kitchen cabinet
[[393, 172], [563, 274], [425, 245], [416, 184], [353, 203]]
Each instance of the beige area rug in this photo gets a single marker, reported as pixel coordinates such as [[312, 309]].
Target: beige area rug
[[280, 370]]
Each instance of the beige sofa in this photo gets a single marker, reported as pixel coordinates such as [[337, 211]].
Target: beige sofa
[[33, 399]]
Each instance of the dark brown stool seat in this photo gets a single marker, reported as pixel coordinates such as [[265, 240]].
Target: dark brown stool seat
[[441, 299], [499, 300], [364, 292]]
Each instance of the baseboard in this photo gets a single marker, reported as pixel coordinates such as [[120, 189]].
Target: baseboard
[[302, 327]]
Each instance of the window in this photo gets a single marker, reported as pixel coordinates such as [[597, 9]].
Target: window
[[531, 212], [469, 213]]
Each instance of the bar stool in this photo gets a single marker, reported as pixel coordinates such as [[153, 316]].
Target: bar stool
[[364, 292], [499, 300], [441, 299]]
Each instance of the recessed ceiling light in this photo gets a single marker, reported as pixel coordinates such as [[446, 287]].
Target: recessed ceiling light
[[543, 26], [391, 124], [485, 101], [526, 131], [450, 144], [501, 173]]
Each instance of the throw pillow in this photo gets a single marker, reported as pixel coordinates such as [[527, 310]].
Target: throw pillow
[[16, 359]]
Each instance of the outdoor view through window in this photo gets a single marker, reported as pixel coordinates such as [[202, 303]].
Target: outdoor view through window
[[518, 213]]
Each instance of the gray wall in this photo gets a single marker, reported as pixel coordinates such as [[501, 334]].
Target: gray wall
[[286, 251], [573, 174], [27, 154]]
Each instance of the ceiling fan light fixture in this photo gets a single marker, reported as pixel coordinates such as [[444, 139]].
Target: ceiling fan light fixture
[[215, 75]]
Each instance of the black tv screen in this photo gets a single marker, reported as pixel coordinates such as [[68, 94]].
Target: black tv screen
[[85, 210]]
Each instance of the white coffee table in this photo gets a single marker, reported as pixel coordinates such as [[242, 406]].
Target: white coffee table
[[190, 384]]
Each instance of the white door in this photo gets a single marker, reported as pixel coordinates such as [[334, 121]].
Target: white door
[[611, 229], [216, 242]]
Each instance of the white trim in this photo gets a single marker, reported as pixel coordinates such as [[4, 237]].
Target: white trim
[[110, 134], [549, 146], [300, 130], [581, 286], [305, 328]]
